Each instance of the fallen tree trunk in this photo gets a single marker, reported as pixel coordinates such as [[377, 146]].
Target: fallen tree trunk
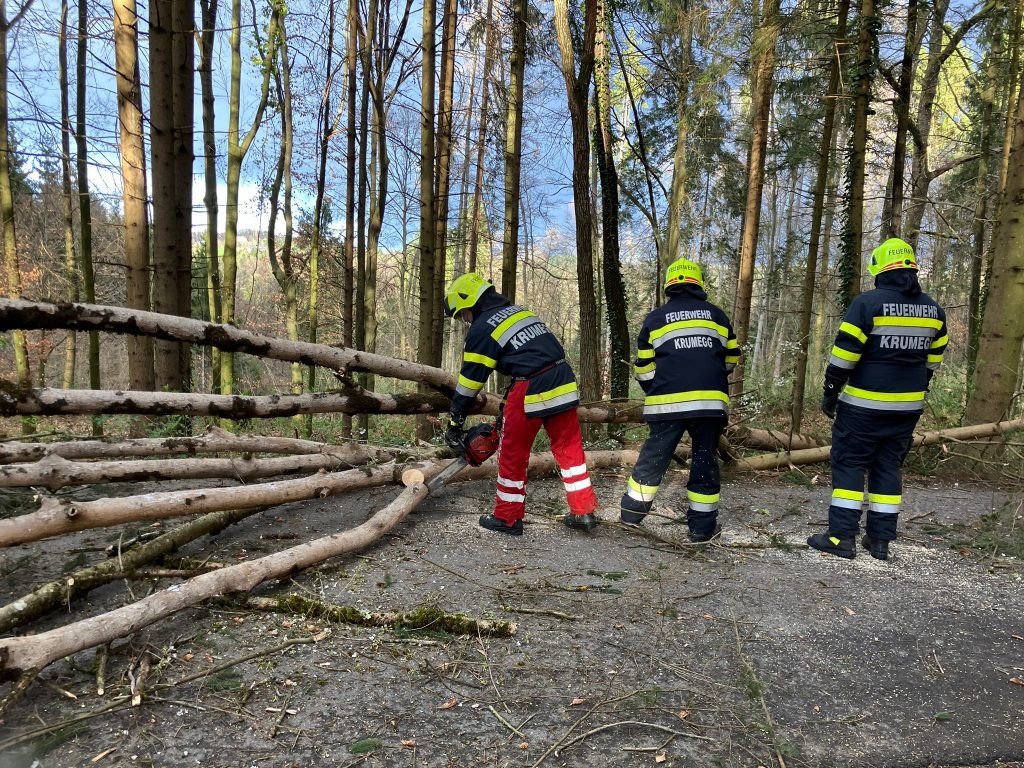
[[816, 455], [419, 618], [58, 516], [33, 315], [18, 654], [771, 439], [54, 402], [55, 472], [215, 441], [71, 586]]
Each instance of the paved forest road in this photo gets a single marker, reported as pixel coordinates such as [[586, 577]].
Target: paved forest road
[[631, 649]]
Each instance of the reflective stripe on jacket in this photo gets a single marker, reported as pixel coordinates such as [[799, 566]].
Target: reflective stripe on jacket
[[685, 351], [889, 342], [515, 342]]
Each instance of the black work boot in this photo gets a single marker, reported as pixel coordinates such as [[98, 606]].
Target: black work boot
[[629, 517], [491, 523], [833, 545], [879, 549], [703, 538], [586, 522]]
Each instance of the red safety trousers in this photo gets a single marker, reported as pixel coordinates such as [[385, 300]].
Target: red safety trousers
[[517, 436]]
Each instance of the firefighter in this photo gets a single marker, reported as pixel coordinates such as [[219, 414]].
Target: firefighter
[[515, 342], [889, 345], [685, 352]]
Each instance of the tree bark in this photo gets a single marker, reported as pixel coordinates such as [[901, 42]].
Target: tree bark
[[817, 211], [762, 79], [11, 262], [514, 149], [141, 374], [28, 314], [942, 43], [56, 517], [238, 147], [52, 402], [442, 181], [481, 140], [62, 591], [428, 303], [816, 455], [620, 365], [84, 195], [997, 373], [207, 38], [677, 195], [215, 440], [577, 86], [892, 214], [862, 79], [55, 472], [37, 651], [68, 203]]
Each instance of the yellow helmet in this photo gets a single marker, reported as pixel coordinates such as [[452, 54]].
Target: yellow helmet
[[892, 254], [464, 292], [683, 271]]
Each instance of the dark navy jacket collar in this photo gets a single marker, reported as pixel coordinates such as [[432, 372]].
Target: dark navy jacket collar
[[902, 280]]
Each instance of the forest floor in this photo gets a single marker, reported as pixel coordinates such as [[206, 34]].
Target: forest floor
[[631, 649]]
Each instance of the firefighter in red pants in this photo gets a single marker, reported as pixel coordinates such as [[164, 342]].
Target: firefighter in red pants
[[515, 342]]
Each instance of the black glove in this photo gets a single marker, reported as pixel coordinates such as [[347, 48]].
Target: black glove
[[454, 432], [830, 398]]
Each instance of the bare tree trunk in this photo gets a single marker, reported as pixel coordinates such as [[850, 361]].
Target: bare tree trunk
[[816, 455], [38, 315], [426, 353], [442, 180], [84, 195], [577, 85], [238, 147], [37, 651], [213, 289], [481, 141], [53, 402], [942, 43], [326, 125], [133, 193], [55, 472], [868, 25], [70, 256], [987, 95], [63, 590], [620, 365], [281, 264], [892, 213], [171, 78], [817, 211], [1011, 92], [214, 440], [677, 196], [997, 373], [762, 76], [514, 149]]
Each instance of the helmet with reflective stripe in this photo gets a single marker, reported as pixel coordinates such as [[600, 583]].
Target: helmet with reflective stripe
[[464, 292], [892, 254], [683, 271]]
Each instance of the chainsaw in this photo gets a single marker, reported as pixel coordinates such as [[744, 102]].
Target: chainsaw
[[477, 446]]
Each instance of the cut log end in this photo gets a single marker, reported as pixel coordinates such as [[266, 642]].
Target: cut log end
[[412, 476]]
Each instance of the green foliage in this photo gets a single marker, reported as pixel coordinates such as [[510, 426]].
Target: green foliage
[[1002, 531]]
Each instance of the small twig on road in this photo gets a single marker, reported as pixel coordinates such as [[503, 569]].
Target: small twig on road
[[540, 612], [665, 729], [572, 727], [505, 722]]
